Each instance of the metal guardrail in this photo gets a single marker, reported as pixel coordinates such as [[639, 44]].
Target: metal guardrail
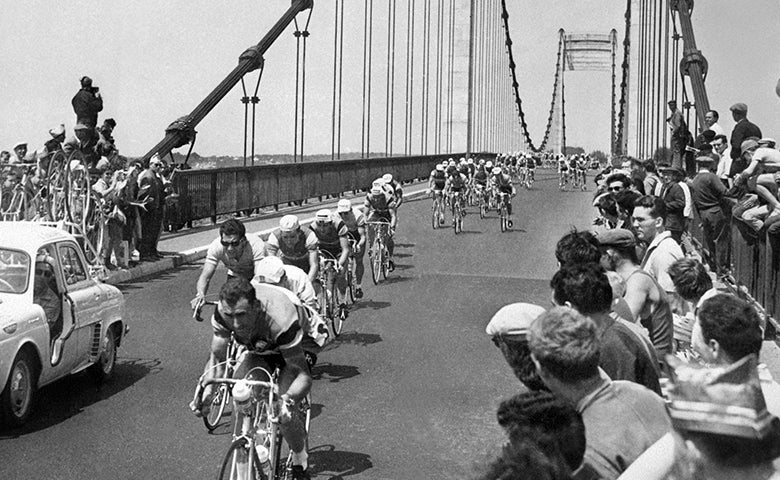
[[755, 272], [212, 192]]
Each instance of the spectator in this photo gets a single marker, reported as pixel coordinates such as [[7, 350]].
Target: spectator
[[646, 300], [608, 211], [509, 330], [723, 430], [673, 196], [720, 145], [711, 120], [84, 141], [105, 190], [87, 103], [651, 178], [555, 426], [622, 419], [638, 175], [649, 219], [691, 282], [762, 174], [152, 195], [50, 147], [523, 460], [680, 134], [5, 157], [708, 192], [105, 145], [20, 153], [625, 355], [625, 208], [617, 182], [577, 247], [743, 130]]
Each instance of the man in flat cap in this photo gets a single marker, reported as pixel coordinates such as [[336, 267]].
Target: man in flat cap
[[87, 103], [20, 153], [675, 201], [743, 129], [509, 329], [707, 192]]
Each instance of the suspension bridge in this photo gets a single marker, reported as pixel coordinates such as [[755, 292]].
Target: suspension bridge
[[410, 388]]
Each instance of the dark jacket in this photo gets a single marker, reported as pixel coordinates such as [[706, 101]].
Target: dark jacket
[[742, 130], [674, 199], [150, 190], [87, 105]]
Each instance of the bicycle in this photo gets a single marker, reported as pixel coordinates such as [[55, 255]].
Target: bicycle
[[222, 397], [329, 297], [458, 211], [256, 449], [350, 273], [378, 254], [24, 199], [503, 211], [437, 209], [482, 201]]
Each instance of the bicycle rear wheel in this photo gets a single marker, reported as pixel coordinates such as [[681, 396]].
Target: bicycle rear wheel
[[231, 465], [218, 404]]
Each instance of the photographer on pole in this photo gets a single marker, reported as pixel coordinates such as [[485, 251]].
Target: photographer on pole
[[87, 103]]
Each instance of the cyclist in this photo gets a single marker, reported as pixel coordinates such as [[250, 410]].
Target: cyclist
[[296, 284], [480, 181], [263, 319], [451, 167], [471, 166], [456, 190], [582, 170], [355, 221], [295, 246], [378, 206], [563, 172], [503, 183], [436, 183], [332, 238], [239, 252], [530, 165], [395, 188]]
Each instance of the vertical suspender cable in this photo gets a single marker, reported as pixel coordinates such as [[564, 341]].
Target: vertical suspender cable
[[335, 79], [297, 34], [437, 97], [667, 16], [255, 99], [661, 127], [388, 112], [409, 77], [653, 90], [305, 35], [245, 101], [341, 72], [640, 80], [425, 91], [450, 74]]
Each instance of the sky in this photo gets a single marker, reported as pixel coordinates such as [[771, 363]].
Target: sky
[[155, 61]]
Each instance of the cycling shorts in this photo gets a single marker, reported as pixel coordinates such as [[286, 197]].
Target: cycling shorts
[[331, 252], [302, 263], [379, 215], [354, 235], [505, 189], [457, 190]]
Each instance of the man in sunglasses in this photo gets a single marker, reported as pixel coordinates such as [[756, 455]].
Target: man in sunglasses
[[239, 252]]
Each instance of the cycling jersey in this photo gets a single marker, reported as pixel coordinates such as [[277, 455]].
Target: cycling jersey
[[457, 182], [504, 183], [472, 169], [244, 265], [562, 166], [530, 163], [293, 250], [481, 177], [275, 328], [329, 235], [451, 170], [439, 179], [379, 203], [353, 219], [395, 189]]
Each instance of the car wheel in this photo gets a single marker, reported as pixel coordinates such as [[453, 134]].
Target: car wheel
[[16, 401], [104, 366]]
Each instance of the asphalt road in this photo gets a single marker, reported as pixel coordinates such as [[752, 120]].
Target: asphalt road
[[409, 390]]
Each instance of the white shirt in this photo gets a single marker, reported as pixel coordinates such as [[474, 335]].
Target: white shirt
[[724, 165], [715, 127], [661, 253], [688, 208]]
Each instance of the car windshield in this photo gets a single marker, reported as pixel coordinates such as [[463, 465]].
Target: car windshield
[[14, 271]]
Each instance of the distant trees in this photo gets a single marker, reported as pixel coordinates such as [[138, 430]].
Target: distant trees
[[599, 155], [573, 150]]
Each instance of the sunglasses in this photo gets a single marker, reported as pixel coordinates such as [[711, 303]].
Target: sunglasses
[[615, 189], [234, 243]]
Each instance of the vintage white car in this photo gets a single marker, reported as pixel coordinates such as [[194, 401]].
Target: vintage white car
[[55, 318]]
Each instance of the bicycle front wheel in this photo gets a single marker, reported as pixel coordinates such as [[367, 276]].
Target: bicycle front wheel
[[218, 404], [376, 261], [241, 462]]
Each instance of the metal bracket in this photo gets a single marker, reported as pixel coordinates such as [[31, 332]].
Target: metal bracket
[[692, 57]]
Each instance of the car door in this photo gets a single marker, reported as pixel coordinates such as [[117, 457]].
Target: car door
[[85, 295]]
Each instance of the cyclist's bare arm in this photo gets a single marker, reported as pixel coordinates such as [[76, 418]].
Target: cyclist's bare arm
[[346, 249], [299, 369], [203, 285], [393, 218], [214, 369], [314, 264]]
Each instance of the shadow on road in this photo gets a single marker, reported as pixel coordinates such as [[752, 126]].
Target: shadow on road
[[327, 462], [402, 255], [141, 282], [68, 397], [334, 373], [404, 245], [355, 338], [396, 279], [369, 304]]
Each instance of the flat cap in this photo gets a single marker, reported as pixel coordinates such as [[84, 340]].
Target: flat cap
[[748, 144], [57, 131], [616, 237], [705, 159], [767, 142], [513, 319], [670, 168], [738, 107]]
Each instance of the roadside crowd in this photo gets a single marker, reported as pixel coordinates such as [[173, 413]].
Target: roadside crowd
[[131, 195], [646, 367]]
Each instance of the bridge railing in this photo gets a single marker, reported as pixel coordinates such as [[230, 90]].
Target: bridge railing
[[755, 269], [208, 193]]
